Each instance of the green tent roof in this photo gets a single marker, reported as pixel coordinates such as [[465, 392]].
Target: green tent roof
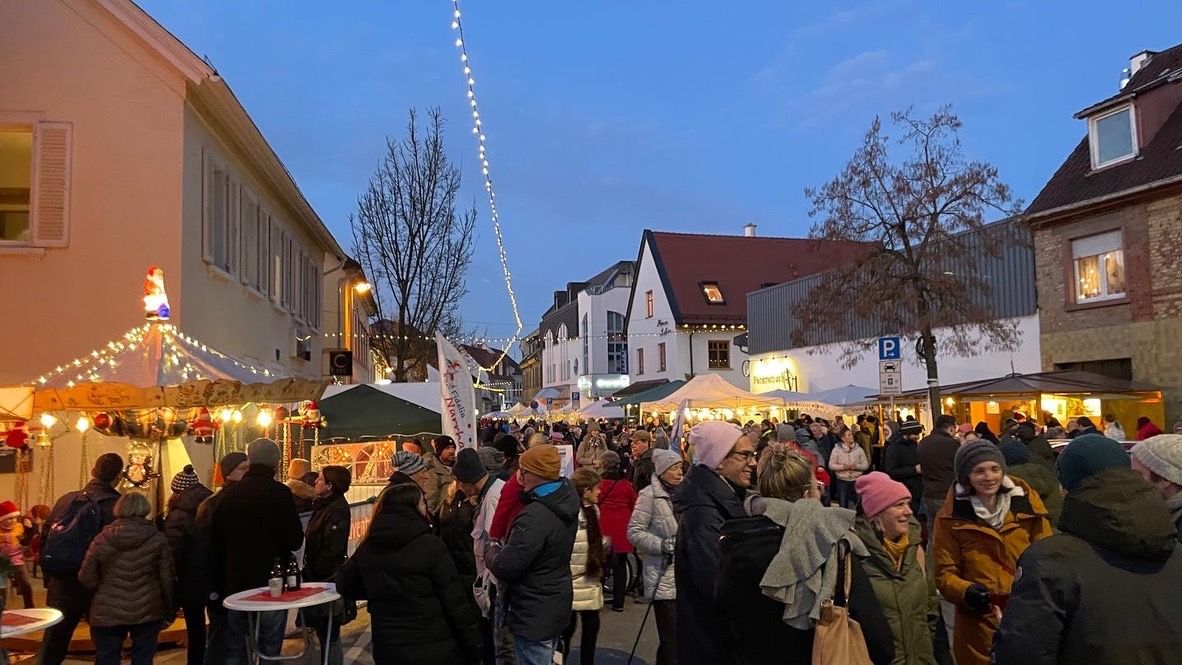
[[367, 411], [653, 394]]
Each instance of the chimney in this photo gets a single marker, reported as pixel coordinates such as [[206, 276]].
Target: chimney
[[1140, 60], [749, 230]]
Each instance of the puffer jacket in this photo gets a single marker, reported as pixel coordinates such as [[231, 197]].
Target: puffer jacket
[[588, 589], [968, 551], [591, 450], [1105, 590], [906, 596], [129, 566], [534, 565], [653, 533], [617, 499], [180, 528], [1042, 479], [855, 457]]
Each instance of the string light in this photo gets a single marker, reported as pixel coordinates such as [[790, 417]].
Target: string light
[[479, 132]]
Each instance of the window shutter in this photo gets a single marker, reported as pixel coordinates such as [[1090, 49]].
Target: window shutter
[[206, 207], [275, 261], [233, 223], [51, 200], [248, 226]]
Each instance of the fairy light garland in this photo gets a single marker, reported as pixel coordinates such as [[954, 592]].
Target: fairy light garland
[[486, 170]]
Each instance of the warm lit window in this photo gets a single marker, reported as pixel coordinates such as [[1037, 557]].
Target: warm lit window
[[16, 177], [1099, 267], [719, 354], [1113, 137], [661, 357], [712, 293], [639, 361], [648, 304]]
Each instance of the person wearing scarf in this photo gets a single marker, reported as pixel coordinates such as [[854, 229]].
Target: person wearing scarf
[[987, 522], [653, 532]]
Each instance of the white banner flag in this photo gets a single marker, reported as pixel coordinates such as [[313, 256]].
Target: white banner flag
[[678, 424], [457, 395]]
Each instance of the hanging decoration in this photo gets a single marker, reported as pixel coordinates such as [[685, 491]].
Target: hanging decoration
[[139, 470], [203, 427], [155, 299], [84, 450], [486, 169]]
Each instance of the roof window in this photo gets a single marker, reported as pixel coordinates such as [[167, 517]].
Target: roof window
[[1113, 137], [712, 293]]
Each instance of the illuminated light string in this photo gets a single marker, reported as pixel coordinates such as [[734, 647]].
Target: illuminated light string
[[684, 330], [486, 170]]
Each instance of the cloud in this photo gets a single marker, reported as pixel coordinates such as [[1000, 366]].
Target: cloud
[[840, 19]]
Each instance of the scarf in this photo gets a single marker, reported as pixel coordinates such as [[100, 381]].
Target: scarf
[[896, 549], [804, 572], [995, 518]]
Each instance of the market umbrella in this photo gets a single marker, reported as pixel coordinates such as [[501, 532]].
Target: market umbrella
[[711, 391], [604, 409]]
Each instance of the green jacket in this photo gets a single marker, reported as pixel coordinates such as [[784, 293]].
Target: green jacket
[[907, 597], [1042, 480]]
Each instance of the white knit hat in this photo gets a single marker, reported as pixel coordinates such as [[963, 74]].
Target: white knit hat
[[1162, 454]]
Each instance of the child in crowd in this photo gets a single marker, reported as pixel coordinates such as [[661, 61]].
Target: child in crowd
[[12, 545]]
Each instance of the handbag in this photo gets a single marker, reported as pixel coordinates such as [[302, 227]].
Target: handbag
[[838, 638]]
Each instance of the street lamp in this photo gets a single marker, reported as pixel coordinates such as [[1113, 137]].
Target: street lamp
[[362, 288]]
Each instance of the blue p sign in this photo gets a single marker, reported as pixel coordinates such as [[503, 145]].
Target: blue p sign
[[889, 348]]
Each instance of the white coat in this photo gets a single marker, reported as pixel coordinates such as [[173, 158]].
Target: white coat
[[588, 590], [653, 532]]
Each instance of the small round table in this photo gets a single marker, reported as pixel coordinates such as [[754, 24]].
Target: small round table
[[41, 618], [249, 601]]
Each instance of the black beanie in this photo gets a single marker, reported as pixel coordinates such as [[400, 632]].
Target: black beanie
[[442, 443], [507, 444], [468, 467]]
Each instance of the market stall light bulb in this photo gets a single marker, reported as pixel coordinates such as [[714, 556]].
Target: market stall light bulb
[[82, 425], [264, 419], [48, 420], [225, 415], [236, 416]]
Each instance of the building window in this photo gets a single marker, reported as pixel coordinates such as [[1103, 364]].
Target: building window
[[617, 344], [648, 304], [1099, 267], [712, 293], [221, 216], [586, 335], [16, 181], [661, 357], [1113, 137], [719, 353], [639, 362]]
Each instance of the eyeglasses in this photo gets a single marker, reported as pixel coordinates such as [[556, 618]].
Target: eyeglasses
[[747, 455]]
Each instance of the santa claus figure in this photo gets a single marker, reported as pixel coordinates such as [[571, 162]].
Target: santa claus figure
[[155, 299]]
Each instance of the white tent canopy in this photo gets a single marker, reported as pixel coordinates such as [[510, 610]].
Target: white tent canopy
[[601, 409], [711, 391]]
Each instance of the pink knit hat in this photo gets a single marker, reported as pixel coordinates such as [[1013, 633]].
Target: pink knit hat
[[713, 440], [878, 492]]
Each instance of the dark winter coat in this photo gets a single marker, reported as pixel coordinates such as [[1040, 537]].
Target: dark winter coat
[[1041, 451], [936, 453], [534, 565], [456, 515], [180, 528], [1042, 480], [208, 574], [1105, 590], [326, 542], [905, 594], [642, 470], [703, 502], [420, 611], [899, 461], [129, 566], [753, 624], [255, 524], [101, 493]]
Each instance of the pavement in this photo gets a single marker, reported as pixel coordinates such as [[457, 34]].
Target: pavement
[[617, 632]]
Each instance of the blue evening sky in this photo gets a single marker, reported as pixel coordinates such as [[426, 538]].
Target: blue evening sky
[[608, 117]]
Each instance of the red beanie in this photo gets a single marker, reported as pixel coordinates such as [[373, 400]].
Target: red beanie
[[879, 492], [8, 509]]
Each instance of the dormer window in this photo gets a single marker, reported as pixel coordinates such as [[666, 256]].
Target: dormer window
[[1113, 137], [712, 293]]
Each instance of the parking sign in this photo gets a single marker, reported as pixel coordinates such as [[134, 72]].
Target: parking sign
[[889, 348]]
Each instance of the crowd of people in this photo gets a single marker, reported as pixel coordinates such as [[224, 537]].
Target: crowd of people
[[755, 544]]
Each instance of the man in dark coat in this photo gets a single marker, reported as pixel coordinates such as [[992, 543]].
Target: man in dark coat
[[724, 465], [936, 454], [642, 456], [180, 528], [208, 571], [64, 591], [901, 461], [1040, 449], [255, 524], [534, 564], [1105, 590]]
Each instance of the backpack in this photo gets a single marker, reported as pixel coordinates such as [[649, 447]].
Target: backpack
[[68, 537]]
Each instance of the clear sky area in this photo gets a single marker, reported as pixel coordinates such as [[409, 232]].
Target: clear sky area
[[605, 118]]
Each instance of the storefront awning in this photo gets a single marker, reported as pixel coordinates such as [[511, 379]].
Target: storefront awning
[[1067, 382]]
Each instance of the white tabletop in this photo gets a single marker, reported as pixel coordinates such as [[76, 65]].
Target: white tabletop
[[327, 594], [45, 617]]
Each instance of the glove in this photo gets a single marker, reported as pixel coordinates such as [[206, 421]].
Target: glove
[[976, 598], [667, 545]]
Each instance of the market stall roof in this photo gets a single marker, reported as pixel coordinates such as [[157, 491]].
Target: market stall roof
[[711, 391], [1065, 382], [602, 409], [156, 365], [847, 395], [639, 387], [655, 392], [367, 411]]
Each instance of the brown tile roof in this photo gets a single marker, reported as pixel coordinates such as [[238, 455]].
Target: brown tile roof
[[739, 265], [1161, 159]]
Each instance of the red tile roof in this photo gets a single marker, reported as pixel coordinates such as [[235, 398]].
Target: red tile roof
[[739, 265]]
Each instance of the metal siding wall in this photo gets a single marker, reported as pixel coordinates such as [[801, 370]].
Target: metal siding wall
[[769, 311]]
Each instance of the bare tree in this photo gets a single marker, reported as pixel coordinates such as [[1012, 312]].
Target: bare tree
[[414, 245], [920, 271]]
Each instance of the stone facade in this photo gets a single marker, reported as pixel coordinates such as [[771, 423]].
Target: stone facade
[[1146, 325]]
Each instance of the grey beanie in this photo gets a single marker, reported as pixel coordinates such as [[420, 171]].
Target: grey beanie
[[408, 462], [264, 452], [1161, 454], [663, 460], [230, 461], [973, 453], [491, 458]]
